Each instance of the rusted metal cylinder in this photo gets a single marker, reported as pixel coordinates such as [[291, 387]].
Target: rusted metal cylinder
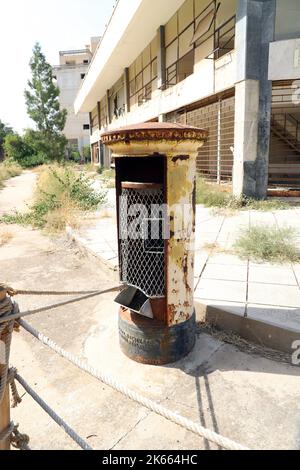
[[156, 189]]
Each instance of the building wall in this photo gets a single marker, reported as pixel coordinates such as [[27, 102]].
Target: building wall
[[70, 73], [146, 100], [287, 19], [69, 81]]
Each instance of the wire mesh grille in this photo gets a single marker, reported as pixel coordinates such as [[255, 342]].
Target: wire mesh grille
[[142, 249]]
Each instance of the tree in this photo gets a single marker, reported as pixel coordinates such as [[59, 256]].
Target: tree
[[4, 131], [43, 107]]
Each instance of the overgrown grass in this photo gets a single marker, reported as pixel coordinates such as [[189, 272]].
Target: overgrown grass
[[108, 178], [268, 243], [220, 197], [60, 195], [8, 170], [5, 237]]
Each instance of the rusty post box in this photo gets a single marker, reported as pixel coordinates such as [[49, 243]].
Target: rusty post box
[[156, 187]]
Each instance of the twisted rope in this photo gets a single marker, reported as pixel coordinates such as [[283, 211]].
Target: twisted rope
[[6, 307], [18, 440], [73, 435], [4, 435], [12, 292], [150, 404], [16, 399], [18, 315]]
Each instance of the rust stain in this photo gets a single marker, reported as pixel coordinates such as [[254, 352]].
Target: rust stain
[[172, 310], [186, 273]]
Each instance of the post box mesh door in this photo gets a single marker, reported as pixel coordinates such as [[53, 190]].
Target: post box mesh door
[[142, 252]]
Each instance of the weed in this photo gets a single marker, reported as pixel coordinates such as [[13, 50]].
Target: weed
[[61, 193], [219, 196], [268, 243], [8, 170]]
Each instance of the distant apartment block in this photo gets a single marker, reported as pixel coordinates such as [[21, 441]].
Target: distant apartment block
[[69, 74], [229, 66]]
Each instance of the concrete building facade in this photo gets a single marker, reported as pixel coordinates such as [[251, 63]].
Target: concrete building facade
[[69, 75], [229, 66]]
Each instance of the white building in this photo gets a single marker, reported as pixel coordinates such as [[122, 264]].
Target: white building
[[69, 75], [229, 66]]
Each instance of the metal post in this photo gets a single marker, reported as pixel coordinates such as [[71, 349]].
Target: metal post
[[5, 418]]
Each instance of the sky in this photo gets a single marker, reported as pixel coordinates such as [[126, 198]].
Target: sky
[[57, 25]]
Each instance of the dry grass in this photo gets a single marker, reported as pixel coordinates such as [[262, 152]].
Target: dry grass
[[62, 197], [264, 243], [5, 237], [8, 170], [214, 248], [220, 198]]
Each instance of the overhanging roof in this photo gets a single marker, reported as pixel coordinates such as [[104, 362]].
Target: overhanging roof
[[132, 27]]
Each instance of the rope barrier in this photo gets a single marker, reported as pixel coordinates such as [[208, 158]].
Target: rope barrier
[[73, 435], [18, 440], [18, 315], [12, 292], [7, 432], [147, 403]]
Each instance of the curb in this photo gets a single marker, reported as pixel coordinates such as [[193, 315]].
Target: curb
[[261, 333]]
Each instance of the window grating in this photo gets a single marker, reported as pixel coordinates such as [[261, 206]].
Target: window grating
[[142, 250]]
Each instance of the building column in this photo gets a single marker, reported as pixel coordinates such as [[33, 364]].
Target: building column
[[126, 91], [161, 59], [108, 107], [254, 31]]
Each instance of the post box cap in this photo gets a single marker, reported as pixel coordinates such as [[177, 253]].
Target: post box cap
[[154, 131]]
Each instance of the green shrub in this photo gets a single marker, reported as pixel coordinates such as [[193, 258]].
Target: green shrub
[[264, 243], [86, 153]]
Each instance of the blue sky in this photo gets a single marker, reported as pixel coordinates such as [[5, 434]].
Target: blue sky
[[57, 25]]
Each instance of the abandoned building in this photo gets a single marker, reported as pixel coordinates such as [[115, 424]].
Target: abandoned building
[[69, 75], [228, 66]]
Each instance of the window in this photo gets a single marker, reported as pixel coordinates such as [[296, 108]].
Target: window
[[82, 76], [198, 28], [143, 75], [86, 127], [86, 61], [70, 62]]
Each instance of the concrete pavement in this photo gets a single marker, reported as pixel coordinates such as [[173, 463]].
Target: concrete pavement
[[261, 294]]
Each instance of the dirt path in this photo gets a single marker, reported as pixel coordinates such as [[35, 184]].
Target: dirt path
[[17, 193]]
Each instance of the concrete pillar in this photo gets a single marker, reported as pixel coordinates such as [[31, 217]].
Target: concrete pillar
[[91, 123], [161, 59], [126, 90], [108, 107], [254, 31]]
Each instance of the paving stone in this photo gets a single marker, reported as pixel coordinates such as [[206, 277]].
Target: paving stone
[[221, 290], [227, 273], [274, 294], [272, 275]]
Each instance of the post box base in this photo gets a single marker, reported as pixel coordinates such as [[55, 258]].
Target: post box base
[[151, 342]]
